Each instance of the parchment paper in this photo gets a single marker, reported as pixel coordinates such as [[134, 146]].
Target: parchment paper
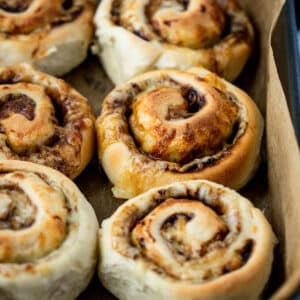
[[275, 187]]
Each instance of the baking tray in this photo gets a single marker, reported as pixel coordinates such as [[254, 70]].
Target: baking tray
[[90, 80], [286, 46]]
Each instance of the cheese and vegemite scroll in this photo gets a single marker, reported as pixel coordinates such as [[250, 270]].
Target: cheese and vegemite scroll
[[186, 241], [167, 125], [53, 35], [44, 120], [138, 36], [48, 234]]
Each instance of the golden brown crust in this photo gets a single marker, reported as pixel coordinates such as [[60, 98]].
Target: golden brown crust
[[135, 37], [48, 233], [199, 26], [159, 122], [44, 33], [168, 125], [19, 211], [44, 120], [189, 240]]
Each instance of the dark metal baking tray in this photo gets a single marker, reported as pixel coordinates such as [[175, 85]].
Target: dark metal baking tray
[[286, 44], [93, 82]]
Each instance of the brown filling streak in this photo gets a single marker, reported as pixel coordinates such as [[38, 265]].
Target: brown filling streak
[[71, 12], [15, 217], [115, 12], [15, 6], [174, 218], [17, 103], [194, 103]]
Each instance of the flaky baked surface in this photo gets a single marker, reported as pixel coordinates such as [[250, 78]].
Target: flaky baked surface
[[189, 240], [53, 35], [48, 234], [166, 126], [44, 120], [138, 36]]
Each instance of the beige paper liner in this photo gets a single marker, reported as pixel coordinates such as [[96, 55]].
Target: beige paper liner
[[275, 188]]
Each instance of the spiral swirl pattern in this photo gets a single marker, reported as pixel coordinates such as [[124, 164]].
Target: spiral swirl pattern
[[22, 17], [19, 212], [38, 32], [190, 240], [168, 126], [172, 124], [173, 34], [48, 234], [44, 120]]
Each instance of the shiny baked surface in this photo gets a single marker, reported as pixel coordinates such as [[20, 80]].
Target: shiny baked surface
[[169, 125], [45, 220], [44, 120], [53, 35], [189, 240], [138, 36], [48, 234]]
